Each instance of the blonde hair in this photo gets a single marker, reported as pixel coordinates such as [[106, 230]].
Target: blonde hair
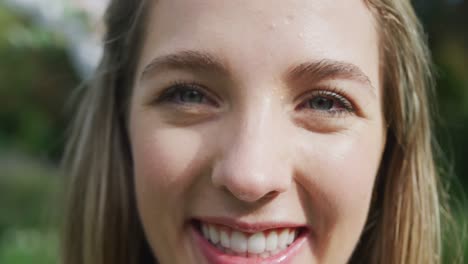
[[403, 226]]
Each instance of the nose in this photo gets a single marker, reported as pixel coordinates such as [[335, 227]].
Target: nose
[[254, 159]]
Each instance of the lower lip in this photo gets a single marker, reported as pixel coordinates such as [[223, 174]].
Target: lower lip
[[215, 256]]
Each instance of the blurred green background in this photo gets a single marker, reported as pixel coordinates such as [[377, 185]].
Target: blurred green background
[[38, 71]]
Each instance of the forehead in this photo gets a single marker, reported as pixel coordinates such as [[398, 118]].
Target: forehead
[[265, 35]]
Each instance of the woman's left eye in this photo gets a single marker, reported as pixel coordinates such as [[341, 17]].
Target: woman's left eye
[[327, 101]]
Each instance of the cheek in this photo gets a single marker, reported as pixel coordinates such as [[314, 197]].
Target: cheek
[[355, 170], [342, 169], [164, 158], [338, 173], [356, 161]]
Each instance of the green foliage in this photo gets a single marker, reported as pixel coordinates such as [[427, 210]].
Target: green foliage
[[455, 236], [35, 78], [29, 211], [29, 246], [27, 196]]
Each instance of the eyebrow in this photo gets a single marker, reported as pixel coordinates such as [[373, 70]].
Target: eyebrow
[[186, 60], [197, 61], [328, 69]]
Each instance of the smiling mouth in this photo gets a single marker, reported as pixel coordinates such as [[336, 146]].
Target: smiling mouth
[[263, 244]]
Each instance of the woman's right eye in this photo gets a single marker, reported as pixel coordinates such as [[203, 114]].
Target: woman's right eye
[[185, 94]]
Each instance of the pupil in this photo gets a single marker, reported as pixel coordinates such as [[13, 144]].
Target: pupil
[[191, 96], [321, 103]]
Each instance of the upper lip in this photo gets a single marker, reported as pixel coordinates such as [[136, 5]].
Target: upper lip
[[248, 227]]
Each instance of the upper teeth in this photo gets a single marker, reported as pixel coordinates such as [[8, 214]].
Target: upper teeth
[[262, 244]]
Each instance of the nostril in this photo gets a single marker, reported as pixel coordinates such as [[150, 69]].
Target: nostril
[[249, 181], [271, 195], [251, 197]]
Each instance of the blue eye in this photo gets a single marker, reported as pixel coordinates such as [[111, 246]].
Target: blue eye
[[328, 101], [320, 103], [189, 96], [184, 94]]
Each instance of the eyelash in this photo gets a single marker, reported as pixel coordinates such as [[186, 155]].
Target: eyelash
[[333, 93], [169, 95], [336, 94]]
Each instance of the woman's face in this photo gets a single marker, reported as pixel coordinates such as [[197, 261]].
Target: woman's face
[[256, 130]]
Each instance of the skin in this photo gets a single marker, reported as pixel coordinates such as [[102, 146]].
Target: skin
[[253, 149]]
